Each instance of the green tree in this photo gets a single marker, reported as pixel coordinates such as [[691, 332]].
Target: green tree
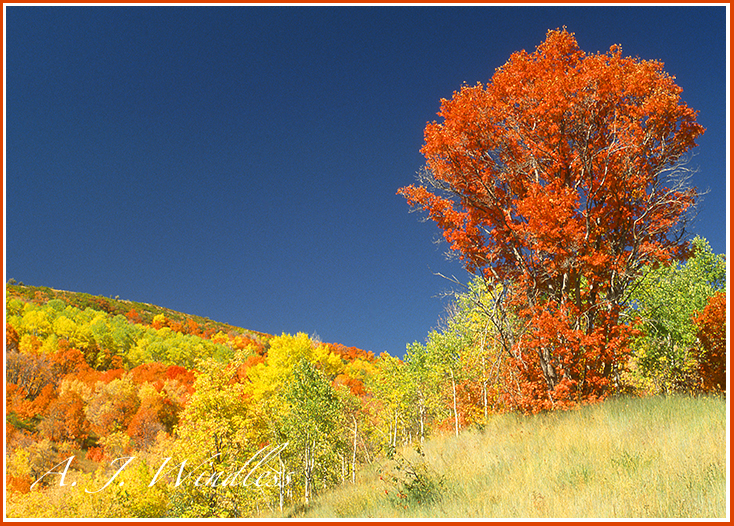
[[461, 369], [663, 303], [299, 405], [425, 379], [393, 404], [445, 349], [312, 427]]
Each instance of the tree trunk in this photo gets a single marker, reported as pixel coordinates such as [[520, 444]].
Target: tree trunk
[[308, 468], [484, 376], [307, 476], [484, 387], [456, 413], [281, 483], [422, 412], [549, 372], [354, 452], [395, 435]]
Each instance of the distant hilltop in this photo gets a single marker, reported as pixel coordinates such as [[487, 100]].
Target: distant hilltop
[[143, 313]]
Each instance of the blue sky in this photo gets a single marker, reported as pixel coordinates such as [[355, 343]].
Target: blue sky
[[241, 163]]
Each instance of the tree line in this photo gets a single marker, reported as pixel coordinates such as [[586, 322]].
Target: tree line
[[100, 387]]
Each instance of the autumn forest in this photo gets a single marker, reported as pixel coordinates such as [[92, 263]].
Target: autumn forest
[[563, 186]]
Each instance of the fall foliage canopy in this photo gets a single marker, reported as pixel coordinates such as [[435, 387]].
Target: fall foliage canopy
[[712, 334], [561, 178]]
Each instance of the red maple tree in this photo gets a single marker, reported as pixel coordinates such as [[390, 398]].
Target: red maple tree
[[560, 179]]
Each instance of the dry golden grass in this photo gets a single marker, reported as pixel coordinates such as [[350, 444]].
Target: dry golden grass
[[625, 458]]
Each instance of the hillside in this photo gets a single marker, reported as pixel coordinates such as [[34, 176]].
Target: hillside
[[115, 306], [342, 433], [629, 457], [91, 380]]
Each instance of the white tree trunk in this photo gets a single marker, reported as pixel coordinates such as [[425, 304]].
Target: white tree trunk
[[456, 413], [484, 383], [421, 412], [308, 468], [395, 435], [354, 452], [281, 483]]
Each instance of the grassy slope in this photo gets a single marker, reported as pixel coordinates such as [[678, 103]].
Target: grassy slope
[[654, 457]]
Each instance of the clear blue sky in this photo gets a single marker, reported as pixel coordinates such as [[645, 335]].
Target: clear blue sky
[[241, 163]]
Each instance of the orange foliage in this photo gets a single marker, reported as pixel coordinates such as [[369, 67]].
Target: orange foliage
[[470, 403], [182, 375], [250, 361], [64, 419], [96, 454], [21, 483], [110, 374], [146, 424], [88, 376], [11, 338], [68, 361], [159, 324], [356, 386], [40, 297], [351, 353], [548, 180], [154, 373], [133, 316], [711, 324], [42, 401], [16, 401], [31, 371], [246, 342], [192, 327]]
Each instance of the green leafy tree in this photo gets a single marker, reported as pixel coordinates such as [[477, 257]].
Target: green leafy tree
[[392, 407], [663, 304], [425, 379], [445, 349], [312, 428], [461, 372]]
